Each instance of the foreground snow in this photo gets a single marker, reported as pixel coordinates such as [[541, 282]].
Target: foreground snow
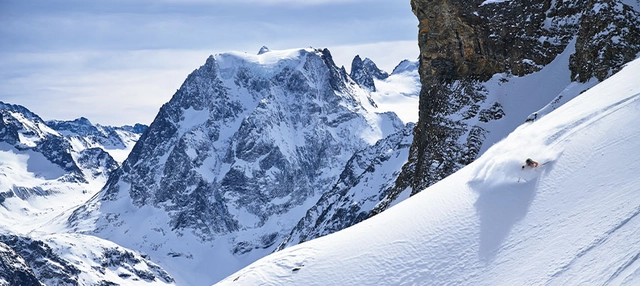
[[574, 220]]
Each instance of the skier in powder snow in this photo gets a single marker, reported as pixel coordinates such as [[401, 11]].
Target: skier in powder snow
[[530, 163]]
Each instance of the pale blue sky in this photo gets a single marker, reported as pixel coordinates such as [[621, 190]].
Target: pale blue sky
[[116, 61]]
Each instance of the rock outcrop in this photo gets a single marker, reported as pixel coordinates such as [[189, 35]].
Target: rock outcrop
[[365, 71], [465, 43]]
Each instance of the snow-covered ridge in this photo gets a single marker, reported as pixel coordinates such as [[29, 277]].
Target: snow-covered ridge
[[115, 140], [573, 220]]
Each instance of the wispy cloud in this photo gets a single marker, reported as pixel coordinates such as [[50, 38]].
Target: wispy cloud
[[71, 58]]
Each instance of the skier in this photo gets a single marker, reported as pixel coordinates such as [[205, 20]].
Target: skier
[[530, 163], [529, 119]]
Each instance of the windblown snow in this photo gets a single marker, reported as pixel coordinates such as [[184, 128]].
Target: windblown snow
[[572, 220]]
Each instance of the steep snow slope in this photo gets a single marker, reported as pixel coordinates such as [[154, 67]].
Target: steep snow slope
[[573, 220]]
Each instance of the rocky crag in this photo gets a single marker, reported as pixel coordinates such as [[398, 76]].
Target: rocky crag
[[463, 44]]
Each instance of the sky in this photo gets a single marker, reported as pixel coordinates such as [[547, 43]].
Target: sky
[[116, 62]]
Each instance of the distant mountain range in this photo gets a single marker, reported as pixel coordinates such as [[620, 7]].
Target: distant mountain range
[[47, 170]]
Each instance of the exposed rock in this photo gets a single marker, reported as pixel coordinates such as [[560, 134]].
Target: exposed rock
[[609, 37], [364, 71], [96, 162], [464, 43], [361, 186], [14, 270], [39, 264], [91, 136]]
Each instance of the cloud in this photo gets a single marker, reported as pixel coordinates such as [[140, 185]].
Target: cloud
[[117, 61], [107, 87], [126, 87]]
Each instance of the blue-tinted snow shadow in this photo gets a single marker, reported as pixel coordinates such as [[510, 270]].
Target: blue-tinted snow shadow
[[499, 208]]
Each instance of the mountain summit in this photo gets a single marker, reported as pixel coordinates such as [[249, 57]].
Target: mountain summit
[[245, 146]]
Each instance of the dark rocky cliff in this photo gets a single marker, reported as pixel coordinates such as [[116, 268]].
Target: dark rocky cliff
[[464, 43]]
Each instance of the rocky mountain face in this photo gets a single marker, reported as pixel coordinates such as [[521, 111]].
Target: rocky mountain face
[[362, 185], [245, 146], [368, 177], [14, 269], [463, 44], [364, 71], [38, 264], [28, 261]]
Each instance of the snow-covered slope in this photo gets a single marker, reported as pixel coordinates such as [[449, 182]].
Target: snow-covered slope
[[399, 92], [573, 220], [45, 173]]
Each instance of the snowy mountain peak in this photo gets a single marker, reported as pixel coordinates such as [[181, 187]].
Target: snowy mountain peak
[[117, 141], [245, 146], [22, 127], [22, 131], [48, 160], [406, 66], [263, 50]]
